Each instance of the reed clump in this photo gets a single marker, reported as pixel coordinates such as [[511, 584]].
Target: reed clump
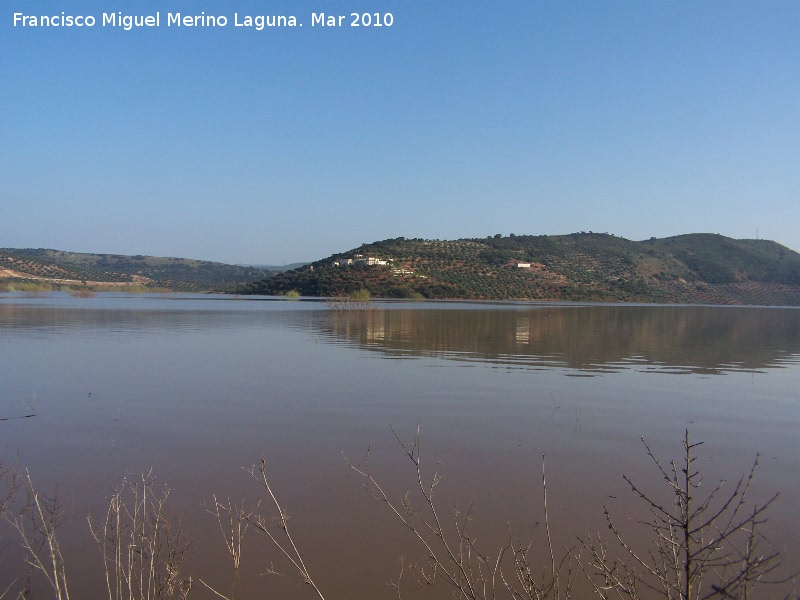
[[358, 301], [82, 292]]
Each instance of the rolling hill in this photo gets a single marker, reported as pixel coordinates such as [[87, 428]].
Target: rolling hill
[[694, 268], [56, 267]]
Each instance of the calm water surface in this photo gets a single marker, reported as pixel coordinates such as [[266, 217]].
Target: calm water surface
[[198, 387]]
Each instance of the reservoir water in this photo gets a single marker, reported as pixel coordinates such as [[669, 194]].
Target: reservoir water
[[199, 388]]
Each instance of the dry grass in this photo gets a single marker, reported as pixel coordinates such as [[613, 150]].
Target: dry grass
[[143, 547]]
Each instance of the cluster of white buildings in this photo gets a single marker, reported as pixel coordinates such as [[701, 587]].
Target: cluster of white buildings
[[371, 261], [361, 259]]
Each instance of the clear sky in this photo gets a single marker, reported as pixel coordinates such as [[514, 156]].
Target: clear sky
[[465, 118]]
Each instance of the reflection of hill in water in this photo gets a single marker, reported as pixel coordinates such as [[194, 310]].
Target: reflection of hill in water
[[585, 338], [144, 316]]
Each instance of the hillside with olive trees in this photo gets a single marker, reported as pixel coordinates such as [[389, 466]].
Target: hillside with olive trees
[[23, 267], [694, 268]]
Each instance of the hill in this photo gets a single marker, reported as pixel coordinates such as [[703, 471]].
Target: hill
[[56, 267], [695, 268], [278, 268]]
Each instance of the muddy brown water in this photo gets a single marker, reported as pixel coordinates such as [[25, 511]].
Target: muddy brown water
[[198, 388]]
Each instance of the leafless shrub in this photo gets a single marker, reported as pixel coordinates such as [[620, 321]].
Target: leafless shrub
[[451, 553], [358, 303], [9, 483], [143, 547], [36, 523], [82, 292], [275, 528], [556, 580], [701, 547], [233, 524]]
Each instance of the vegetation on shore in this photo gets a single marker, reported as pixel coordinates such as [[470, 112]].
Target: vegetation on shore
[[589, 267], [357, 301], [696, 268], [703, 542]]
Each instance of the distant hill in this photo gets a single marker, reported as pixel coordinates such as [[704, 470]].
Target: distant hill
[[57, 267], [278, 268], [694, 268]]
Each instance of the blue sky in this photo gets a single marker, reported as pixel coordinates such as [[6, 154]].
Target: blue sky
[[463, 119]]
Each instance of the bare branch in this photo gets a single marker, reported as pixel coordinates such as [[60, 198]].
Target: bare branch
[[712, 539], [288, 547]]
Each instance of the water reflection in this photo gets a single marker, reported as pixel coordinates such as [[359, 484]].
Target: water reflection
[[585, 339], [199, 387], [142, 315]]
